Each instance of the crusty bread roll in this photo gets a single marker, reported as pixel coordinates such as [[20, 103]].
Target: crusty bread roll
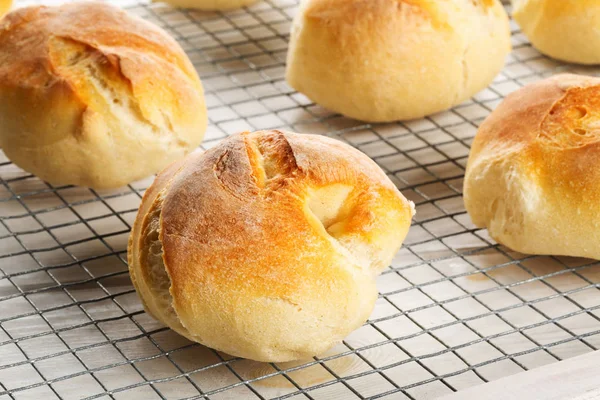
[[209, 4], [385, 60], [563, 29], [267, 246], [92, 96], [532, 177]]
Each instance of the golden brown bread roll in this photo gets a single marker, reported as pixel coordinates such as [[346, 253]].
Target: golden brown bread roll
[[209, 4], [385, 60], [92, 96], [532, 177], [563, 29], [267, 246]]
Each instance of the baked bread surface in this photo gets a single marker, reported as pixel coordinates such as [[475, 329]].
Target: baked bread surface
[[386, 60], [93, 96], [532, 177], [563, 29], [267, 246]]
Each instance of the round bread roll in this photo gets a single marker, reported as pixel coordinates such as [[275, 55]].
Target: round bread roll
[[209, 4], [267, 246], [563, 29], [92, 96], [532, 177], [386, 60]]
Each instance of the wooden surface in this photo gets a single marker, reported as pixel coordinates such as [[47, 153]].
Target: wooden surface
[[577, 378]]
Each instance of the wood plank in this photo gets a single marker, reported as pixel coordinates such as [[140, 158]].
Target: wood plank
[[577, 378]]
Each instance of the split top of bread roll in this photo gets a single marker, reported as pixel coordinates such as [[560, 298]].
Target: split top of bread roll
[[91, 95], [267, 246], [532, 178]]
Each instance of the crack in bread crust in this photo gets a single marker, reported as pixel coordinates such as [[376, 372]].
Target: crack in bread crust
[[272, 159], [574, 120], [155, 274]]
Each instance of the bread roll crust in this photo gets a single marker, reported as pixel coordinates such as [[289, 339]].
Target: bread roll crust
[[532, 176], [271, 243], [90, 95], [566, 30], [385, 60]]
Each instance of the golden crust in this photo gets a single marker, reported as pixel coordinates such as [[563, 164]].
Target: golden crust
[[385, 60], [532, 178], [272, 242], [141, 52], [90, 74]]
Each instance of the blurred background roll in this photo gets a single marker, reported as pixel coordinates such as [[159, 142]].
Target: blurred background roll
[[567, 30]]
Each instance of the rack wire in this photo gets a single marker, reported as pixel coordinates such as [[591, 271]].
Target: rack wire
[[455, 308]]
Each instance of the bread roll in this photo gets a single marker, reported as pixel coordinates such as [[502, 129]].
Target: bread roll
[[532, 177], [563, 29], [92, 96], [385, 60], [267, 246], [209, 4]]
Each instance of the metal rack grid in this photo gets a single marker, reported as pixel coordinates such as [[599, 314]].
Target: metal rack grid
[[455, 308]]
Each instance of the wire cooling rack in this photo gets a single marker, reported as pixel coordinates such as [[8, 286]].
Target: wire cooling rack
[[455, 309]]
